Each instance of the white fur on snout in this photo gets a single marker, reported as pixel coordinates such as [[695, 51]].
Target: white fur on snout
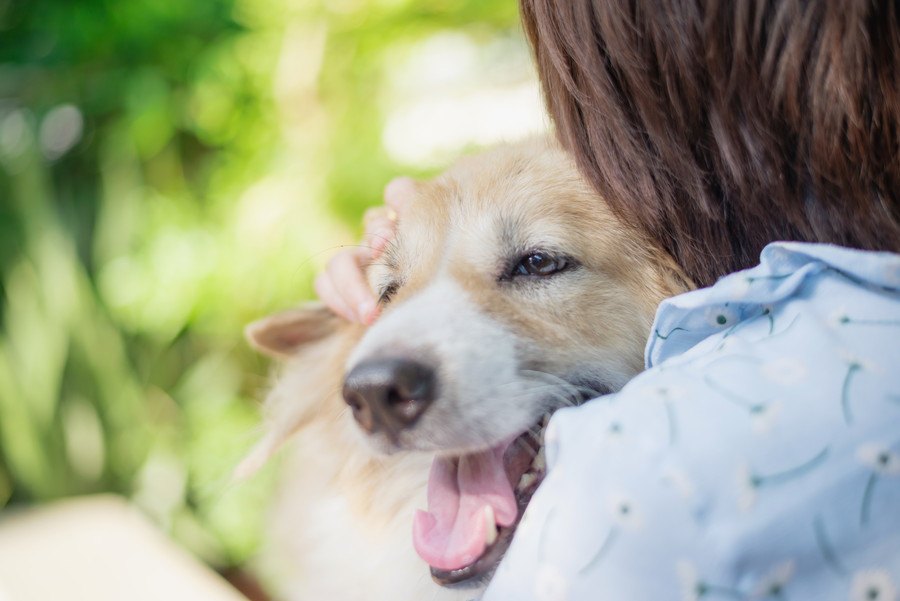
[[481, 398]]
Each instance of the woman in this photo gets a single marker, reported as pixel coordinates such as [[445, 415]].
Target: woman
[[759, 454]]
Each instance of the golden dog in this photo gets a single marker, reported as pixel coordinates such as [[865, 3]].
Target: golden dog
[[509, 291]]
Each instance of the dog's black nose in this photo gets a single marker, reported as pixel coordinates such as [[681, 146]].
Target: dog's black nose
[[389, 394]]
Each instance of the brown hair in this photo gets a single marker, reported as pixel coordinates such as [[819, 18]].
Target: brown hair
[[721, 126]]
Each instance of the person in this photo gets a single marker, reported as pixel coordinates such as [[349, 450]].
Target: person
[[758, 456]]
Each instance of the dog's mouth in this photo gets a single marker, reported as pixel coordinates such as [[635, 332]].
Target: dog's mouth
[[475, 502]]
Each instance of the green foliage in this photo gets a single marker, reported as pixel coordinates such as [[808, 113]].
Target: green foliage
[[169, 171]]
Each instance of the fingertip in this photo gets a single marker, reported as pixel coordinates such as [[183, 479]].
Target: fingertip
[[347, 285], [399, 191], [378, 241], [328, 295], [372, 316], [368, 251], [365, 311]]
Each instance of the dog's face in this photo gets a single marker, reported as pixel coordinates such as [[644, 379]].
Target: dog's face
[[514, 290], [509, 291]]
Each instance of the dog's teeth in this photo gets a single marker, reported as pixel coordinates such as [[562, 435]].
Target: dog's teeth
[[526, 480], [540, 463], [491, 536], [490, 526]]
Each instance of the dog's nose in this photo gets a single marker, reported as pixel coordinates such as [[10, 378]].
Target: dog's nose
[[389, 394]]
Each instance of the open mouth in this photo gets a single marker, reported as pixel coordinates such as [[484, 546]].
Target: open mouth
[[475, 502]]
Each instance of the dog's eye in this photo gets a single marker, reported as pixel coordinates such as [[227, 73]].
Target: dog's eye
[[540, 263], [387, 293]]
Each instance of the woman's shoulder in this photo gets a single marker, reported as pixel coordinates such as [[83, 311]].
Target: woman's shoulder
[[787, 272]]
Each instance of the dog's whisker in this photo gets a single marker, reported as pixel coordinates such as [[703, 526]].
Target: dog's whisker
[[547, 377], [564, 400], [577, 393], [556, 389]]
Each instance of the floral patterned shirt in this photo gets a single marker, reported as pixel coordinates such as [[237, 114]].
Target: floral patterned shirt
[[758, 457]]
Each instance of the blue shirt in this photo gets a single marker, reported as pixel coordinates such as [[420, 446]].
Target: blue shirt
[[758, 457]]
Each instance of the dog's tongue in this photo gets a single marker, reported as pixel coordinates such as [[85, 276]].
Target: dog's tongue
[[464, 495]]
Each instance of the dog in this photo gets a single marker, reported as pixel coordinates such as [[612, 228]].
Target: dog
[[509, 291]]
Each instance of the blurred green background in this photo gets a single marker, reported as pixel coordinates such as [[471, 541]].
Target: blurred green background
[[171, 170]]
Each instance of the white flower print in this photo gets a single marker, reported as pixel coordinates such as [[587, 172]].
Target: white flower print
[[550, 584], [694, 588], [880, 458], [764, 417], [613, 436], [688, 581], [873, 585], [785, 370], [839, 317], [720, 316], [623, 511], [883, 462], [680, 481], [773, 583], [666, 392], [857, 361], [768, 311]]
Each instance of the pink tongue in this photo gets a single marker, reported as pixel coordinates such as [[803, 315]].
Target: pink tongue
[[452, 533]]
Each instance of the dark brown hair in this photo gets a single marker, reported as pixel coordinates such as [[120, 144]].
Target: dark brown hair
[[719, 126]]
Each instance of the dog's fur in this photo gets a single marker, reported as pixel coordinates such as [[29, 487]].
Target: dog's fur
[[508, 350]]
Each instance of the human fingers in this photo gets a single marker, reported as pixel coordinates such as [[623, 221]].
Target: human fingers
[[346, 273], [378, 213], [379, 234], [399, 192], [328, 294], [380, 228]]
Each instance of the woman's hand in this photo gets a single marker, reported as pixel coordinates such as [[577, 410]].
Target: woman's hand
[[342, 286]]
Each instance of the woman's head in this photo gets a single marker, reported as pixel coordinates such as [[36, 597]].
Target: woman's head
[[721, 126]]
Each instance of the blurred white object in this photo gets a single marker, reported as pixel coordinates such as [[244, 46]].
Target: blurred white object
[[98, 549], [450, 93], [60, 130]]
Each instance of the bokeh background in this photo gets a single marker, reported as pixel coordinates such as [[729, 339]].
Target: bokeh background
[[171, 170]]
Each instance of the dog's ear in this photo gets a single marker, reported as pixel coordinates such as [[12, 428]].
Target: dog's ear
[[283, 334]]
